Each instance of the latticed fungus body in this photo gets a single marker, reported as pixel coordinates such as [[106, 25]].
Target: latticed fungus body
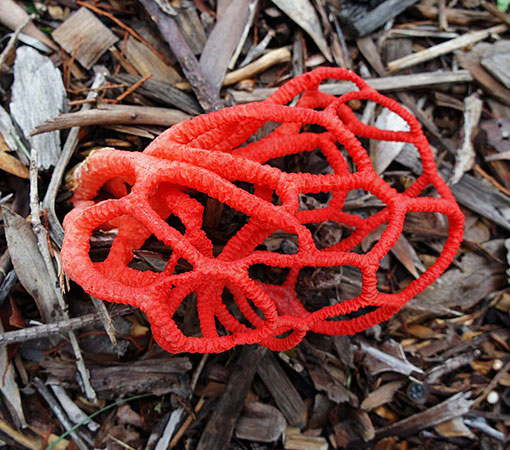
[[213, 156]]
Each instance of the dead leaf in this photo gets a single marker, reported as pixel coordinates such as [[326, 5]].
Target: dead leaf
[[9, 387], [463, 288], [303, 13], [16, 318], [29, 264], [386, 151], [405, 253], [422, 331], [482, 367], [386, 413], [12, 165], [381, 395], [465, 156], [454, 428]]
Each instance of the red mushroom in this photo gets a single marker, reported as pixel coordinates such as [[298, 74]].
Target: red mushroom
[[208, 154]]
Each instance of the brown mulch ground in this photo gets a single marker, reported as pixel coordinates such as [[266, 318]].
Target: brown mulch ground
[[91, 376]]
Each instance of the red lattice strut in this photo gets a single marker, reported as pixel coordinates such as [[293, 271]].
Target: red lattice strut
[[207, 155]]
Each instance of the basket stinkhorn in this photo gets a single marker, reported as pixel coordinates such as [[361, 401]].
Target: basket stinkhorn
[[215, 156]]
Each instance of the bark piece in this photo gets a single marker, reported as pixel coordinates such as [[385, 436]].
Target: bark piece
[[386, 151], [84, 36], [381, 395], [464, 288], [159, 376], [457, 16], [38, 94], [219, 428], [163, 93], [191, 28], [283, 391], [332, 387]]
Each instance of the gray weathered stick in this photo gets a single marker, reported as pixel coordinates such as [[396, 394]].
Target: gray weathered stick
[[55, 328], [59, 413], [443, 48], [455, 406], [42, 241], [56, 230], [386, 84], [114, 114]]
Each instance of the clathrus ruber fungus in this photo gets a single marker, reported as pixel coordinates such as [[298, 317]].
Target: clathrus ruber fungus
[[214, 156]]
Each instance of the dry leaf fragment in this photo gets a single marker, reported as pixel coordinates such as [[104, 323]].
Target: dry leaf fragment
[[386, 151], [454, 428], [381, 395], [9, 387], [303, 13], [12, 165], [465, 157]]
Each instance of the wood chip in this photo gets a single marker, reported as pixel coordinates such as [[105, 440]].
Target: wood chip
[[260, 423], [499, 67], [283, 391], [29, 264], [85, 37], [472, 61], [294, 440], [147, 62], [219, 428]]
